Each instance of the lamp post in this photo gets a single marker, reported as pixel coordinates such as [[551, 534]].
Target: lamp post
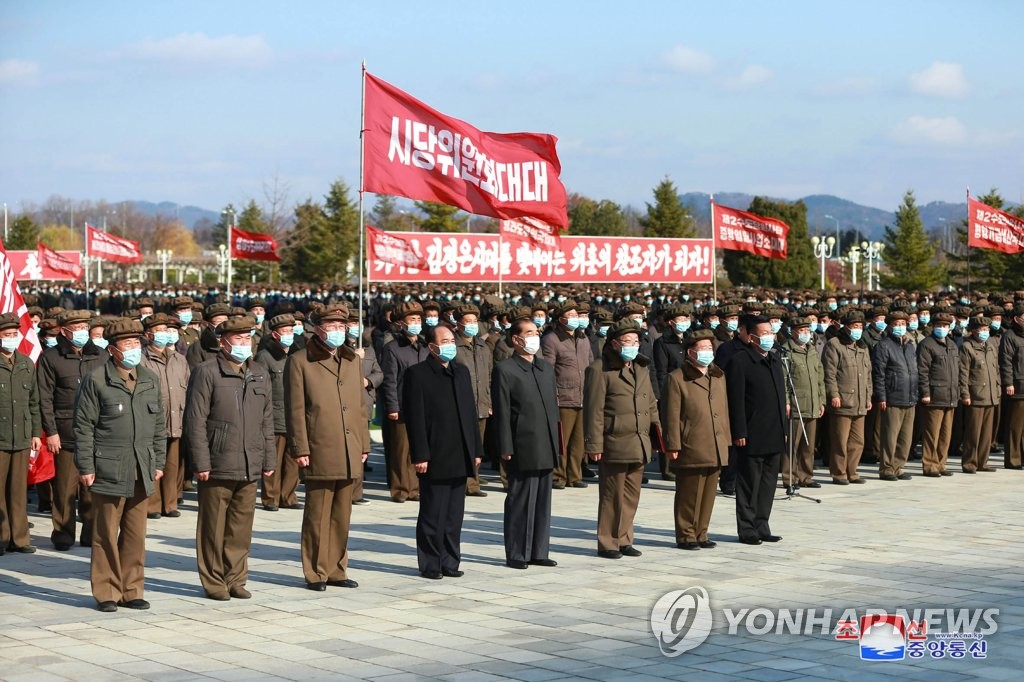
[[839, 243], [822, 250], [231, 226], [855, 262], [873, 252], [222, 262], [163, 255]]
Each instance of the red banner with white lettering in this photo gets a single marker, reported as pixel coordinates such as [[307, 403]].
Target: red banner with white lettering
[[532, 231], [392, 248], [415, 151], [990, 228], [108, 247], [742, 231], [253, 245], [67, 268], [458, 257], [28, 266], [11, 301]]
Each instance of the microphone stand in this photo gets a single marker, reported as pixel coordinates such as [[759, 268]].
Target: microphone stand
[[793, 490]]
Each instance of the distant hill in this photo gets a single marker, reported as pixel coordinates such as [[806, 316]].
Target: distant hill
[[188, 215]]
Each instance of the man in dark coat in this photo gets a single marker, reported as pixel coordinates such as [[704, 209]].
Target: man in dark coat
[[445, 446], [757, 416], [525, 425], [279, 489]]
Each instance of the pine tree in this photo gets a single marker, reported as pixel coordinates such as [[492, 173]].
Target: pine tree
[[668, 217], [384, 214], [595, 218], [24, 234], [909, 255], [440, 217], [341, 240], [302, 259], [219, 233], [798, 271]]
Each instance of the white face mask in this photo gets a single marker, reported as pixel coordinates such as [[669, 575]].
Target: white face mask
[[531, 344]]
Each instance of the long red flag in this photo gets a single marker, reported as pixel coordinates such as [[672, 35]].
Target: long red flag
[[990, 228], [11, 301], [743, 231], [415, 151], [253, 245], [107, 246], [58, 263]]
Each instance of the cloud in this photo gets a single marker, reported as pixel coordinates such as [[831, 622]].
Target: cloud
[[941, 79], [947, 131], [18, 72], [687, 60], [751, 76], [201, 49]]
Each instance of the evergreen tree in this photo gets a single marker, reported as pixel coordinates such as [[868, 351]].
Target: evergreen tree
[[219, 232], [440, 217], [595, 218], [341, 239], [23, 234], [908, 252], [798, 271], [384, 214], [668, 217], [302, 259]]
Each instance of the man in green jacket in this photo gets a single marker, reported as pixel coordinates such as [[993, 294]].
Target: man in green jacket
[[120, 449], [803, 366]]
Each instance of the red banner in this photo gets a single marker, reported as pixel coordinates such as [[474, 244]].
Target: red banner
[[108, 247], [392, 248], [742, 231], [49, 258], [532, 231], [11, 301], [478, 257], [415, 151], [28, 266], [252, 245], [990, 228]]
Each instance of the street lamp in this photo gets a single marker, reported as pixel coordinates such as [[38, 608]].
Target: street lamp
[[839, 243], [822, 250], [873, 252], [163, 255], [231, 226], [222, 262], [855, 262]]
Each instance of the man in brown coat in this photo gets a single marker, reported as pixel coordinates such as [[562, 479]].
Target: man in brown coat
[[474, 354], [619, 409], [847, 363], [329, 437], [696, 437], [980, 392], [938, 375]]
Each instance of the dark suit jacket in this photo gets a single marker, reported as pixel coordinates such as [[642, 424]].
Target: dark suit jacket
[[440, 418], [524, 422], [757, 402]]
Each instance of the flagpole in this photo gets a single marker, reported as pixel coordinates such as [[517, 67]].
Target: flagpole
[[231, 242], [714, 254], [362, 219], [968, 240], [500, 261], [85, 259]]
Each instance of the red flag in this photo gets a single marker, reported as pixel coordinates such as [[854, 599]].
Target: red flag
[[58, 263], [417, 152], [388, 247], [107, 246], [742, 231], [531, 230], [253, 245], [12, 302], [990, 228]]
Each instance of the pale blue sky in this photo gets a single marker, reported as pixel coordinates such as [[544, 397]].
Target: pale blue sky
[[201, 102]]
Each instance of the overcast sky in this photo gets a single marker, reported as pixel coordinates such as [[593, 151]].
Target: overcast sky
[[203, 102]]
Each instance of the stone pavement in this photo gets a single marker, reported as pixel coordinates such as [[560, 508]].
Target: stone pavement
[[944, 543]]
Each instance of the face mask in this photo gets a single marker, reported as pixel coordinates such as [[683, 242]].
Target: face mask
[[446, 352], [161, 339], [241, 353], [599, 298], [982, 335], [51, 341], [962, 323], [572, 323], [603, 329], [766, 342], [172, 336], [286, 340], [628, 353], [713, 324], [997, 325], [298, 329], [414, 329], [880, 325], [531, 344], [131, 357], [898, 330], [965, 301], [472, 329], [732, 325], [705, 357], [925, 320], [803, 338], [940, 332], [855, 334], [185, 316], [80, 337], [431, 321], [9, 345], [35, 328], [539, 321], [855, 301], [833, 306], [776, 326], [354, 332], [682, 327], [912, 325], [259, 319], [336, 337], [584, 322]]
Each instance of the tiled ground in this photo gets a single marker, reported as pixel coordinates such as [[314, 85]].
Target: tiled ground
[[922, 543]]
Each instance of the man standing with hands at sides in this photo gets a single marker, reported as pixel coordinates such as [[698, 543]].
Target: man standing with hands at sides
[[525, 419], [229, 428], [980, 391], [278, 489], [894, 376], [758, 418], [119, 450], [1011, 371], [808, 376], [847, 363], [938, 374], [619, 409], [445, 444], [474, 354], [329, 437]]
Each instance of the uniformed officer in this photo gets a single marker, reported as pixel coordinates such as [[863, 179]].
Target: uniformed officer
[[474, 353], [279, 489], [847, 363], [980, 392], [1011, 369], [938, 371]]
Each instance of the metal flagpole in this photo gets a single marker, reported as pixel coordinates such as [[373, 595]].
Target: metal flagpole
[[85, 261], [500, 262], [231, 241], [714, 254], [362, 218], [968, 240]]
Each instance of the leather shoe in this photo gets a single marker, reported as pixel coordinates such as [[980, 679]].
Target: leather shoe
[[558, 486], [62, 546], [107, 606], [448, 573], [986, 469], [270, 507], [153, 515], [173, 514], [750, 541], [579, 484], [968, 471], [887, 477], [137, 604], [904, 476], [770, 538], [840, 481], [810, 484], [609, 554], [630, 550], [688, 545], [516, 564], [668, 476], [790, 489], [431, 575], [550, 563], [858, 481], [708, 544], [218, 596], [347, 582], [239, 592], [932, 474], [317, 587], [478, 493], [946, 473], [26, 549]]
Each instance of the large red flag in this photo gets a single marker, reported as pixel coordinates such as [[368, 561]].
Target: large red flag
[[253, 245], [58, 263], [742, 231], [107, 246], [417, 152], [12, 302], [990, 228], [389, 247]]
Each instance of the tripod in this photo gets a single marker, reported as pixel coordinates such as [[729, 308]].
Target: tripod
[[792, 490]]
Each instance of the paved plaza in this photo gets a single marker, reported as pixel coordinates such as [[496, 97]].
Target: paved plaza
[[925, 543]]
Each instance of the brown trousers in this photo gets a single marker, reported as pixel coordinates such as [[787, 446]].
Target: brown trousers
[[897, 439], [936, 433], [979, 423], [66, 489], [279, 488], [695, 498], [473, 482], [117, 568], [618, 497], [325, 524], [224, 533], [402, 480], [803, 455], [14, 499], [1014, 409], [846, 436], [570, 467], [166, 491]]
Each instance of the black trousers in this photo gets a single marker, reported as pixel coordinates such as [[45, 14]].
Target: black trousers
[[756, 477], [727, 477], [528, 515], [439, 524]]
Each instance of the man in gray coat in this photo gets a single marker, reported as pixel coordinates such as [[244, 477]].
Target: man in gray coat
[[938, 373], [279, 489], [894, 377]]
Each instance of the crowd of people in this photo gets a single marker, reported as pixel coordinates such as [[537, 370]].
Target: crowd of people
[[145, 392]]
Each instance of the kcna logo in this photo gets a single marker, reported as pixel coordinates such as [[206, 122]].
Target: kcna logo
[[681, 620]]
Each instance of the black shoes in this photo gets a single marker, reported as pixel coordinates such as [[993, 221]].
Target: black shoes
[[270, 507], [137, 604], [239, 592], [986, 469], [579, 484], [550, 563], [630, 550], [688, 545], [840, 481], [932, 474], [153, 515], [516, 564], [62, 546], [750, 541], [297, 505], [27, 549], [347, 582], [857, 481], [947, 473], [107, 606], [431, 575], [609, 554], [173, 514], [708, 544], [317, 587], [478, 493], [558, 486], [790, 489], [967, 471], [770, 538], [448, 573], [887, 477], [810, 484]]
